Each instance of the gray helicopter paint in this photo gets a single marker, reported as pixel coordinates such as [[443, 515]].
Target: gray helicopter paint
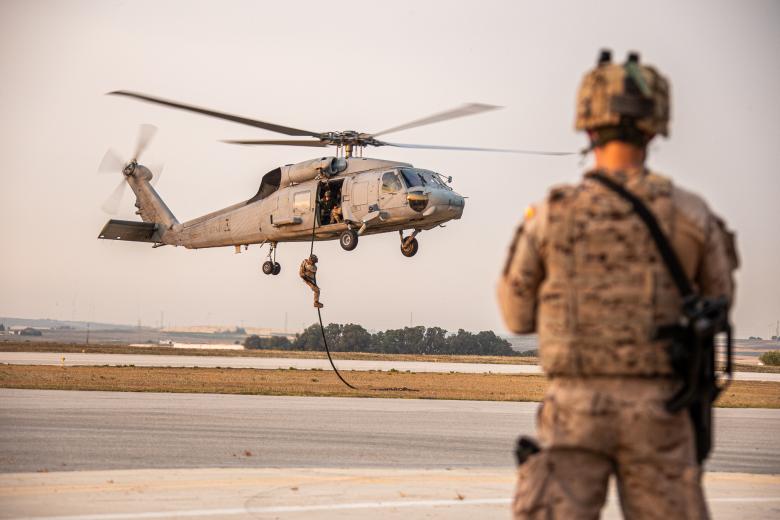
[[277, 218], [280, 217]]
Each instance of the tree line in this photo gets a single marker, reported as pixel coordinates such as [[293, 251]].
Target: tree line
[[771, 358], [408, 340]]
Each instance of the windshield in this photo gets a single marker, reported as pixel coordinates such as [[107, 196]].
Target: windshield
[[412, 178], [432, 178], [415, 177]]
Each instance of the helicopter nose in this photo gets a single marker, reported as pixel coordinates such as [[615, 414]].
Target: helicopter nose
[[445, 204], [456, 204]]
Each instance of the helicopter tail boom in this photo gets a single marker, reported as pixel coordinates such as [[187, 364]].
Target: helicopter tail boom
[[159, 224], [151, 207]]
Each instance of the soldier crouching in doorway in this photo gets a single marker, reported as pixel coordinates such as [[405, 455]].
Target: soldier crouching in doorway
[[584, 272]]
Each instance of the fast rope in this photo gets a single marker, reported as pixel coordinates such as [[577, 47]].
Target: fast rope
[[319, 312]]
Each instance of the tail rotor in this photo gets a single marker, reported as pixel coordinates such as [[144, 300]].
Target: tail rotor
[[112, 162]]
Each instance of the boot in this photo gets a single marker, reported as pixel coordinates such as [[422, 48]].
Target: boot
[[318, 305]]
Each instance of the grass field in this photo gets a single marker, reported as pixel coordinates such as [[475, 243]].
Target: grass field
[[487, 387]]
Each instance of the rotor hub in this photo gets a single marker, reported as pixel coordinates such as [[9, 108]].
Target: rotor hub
[[129, 168], [349, 138]]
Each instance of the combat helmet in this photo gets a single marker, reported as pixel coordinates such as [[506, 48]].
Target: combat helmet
[[313, 258], [623, 100]]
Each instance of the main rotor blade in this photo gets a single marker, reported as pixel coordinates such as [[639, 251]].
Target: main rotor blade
[[466, 110], [111, 204], [145, 134], [473, 149], [111, 163], [276, 142], [287, 130]]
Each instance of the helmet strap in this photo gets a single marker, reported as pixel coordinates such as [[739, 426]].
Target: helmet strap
[[626, 132]]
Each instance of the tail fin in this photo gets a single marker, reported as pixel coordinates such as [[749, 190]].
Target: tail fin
[[150, 205], [159, 226], [130, 231]]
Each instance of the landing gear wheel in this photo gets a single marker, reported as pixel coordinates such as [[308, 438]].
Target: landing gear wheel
[[277, 268], [348, 240], [268, 267], [410, 249]]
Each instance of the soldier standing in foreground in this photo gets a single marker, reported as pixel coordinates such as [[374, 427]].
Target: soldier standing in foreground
[[308, 273], [584, 272]]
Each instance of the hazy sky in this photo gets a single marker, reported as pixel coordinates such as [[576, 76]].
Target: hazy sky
[[362, 66]]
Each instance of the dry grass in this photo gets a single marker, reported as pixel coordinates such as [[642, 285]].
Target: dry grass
[[22, 346], [750, 394], [485, 387], [764, 369]]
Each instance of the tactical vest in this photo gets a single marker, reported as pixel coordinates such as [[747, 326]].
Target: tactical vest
[[606, 289], [307, 270]]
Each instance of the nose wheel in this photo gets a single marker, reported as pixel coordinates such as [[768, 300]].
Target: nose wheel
[[271, 266], [409, 245]]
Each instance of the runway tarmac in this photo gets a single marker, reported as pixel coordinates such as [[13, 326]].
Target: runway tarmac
[[127, 456], [322, 493], [149, 360], [67, 430]]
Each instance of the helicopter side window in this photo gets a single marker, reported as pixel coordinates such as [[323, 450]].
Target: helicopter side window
[[390, 183], [301, 201], [412, 178]]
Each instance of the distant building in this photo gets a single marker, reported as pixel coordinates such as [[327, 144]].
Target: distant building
[[29, 331]]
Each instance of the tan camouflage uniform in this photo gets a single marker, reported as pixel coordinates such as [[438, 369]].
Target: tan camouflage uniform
[[585, 274], [308, 273], [335, 215]]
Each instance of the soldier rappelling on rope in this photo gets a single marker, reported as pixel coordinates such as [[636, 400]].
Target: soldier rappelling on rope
[[308, 273]]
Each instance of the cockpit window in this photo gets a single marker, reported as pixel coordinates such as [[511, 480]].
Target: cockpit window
[[429, 177], [390, 183], [412, 178], [433, 178]]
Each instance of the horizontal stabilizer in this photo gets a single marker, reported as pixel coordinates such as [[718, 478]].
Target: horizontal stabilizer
[[130, 230]]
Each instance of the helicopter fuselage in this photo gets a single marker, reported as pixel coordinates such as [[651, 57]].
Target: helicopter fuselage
[[373, 196]]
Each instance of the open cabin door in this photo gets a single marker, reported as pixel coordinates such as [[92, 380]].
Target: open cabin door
[[295, 208], [302, 205]]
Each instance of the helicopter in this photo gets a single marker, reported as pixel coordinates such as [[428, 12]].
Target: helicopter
[[341, 197]]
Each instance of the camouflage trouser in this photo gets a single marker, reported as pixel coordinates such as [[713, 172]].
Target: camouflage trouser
[[313, 287], [592, 428]]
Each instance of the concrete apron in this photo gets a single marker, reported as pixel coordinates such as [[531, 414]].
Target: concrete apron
[[295, 493]]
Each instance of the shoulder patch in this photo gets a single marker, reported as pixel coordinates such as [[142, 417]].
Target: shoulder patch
[[529, 212]]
